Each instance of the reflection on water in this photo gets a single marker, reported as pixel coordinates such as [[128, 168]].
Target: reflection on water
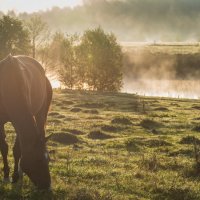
[[164, 88]]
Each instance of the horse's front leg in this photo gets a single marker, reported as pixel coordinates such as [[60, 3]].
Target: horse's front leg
[[17, 155], [4, 152]]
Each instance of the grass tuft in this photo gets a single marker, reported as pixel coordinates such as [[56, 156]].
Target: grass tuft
[[99, 135], [150, 124], [189, 140], [65, 138], [121, 120]]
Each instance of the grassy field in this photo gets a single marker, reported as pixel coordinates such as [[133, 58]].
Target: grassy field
[[169, 48], [109, 146]]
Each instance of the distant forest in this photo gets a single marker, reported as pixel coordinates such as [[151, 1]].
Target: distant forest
[[129, 20]]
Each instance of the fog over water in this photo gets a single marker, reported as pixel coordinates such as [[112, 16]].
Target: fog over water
[[145, 22], [189, 89]]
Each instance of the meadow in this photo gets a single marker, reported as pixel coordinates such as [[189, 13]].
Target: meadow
[[168, 48], [117, 146]]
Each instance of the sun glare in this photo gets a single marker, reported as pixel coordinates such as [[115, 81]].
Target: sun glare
[[34, 6], [55, 84]]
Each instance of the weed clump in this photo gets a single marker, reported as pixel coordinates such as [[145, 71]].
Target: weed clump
[[98, 135], [164, 109], [189, 140], [76, 110], [110, 128], [157, 143], [131, 145], [88, 194], [68, 102], [174, 193], [196, 128], [91, 105], [121, 120], [150, 163], [54, 114], [74, 131], [197, 118], [55, 121], [93, 111], [196, 107], [184, 152], [64, 138], [150, 124]]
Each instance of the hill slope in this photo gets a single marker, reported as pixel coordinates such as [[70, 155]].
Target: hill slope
[[118, 146]]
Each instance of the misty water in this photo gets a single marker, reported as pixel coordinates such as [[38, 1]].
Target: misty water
[[189, 89], [164, 88]]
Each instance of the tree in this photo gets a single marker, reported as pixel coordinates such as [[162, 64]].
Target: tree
[[103, 60], [93, 61], [68, 71], [59, 57], [14, 37], [38, 31], [49, 55]]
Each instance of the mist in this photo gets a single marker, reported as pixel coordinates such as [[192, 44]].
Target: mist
[[152, 21], [151, 73], [129, 20]]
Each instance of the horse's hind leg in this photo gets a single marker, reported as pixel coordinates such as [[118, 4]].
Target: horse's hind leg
[[4, 152], [41, 116], [17, 155]]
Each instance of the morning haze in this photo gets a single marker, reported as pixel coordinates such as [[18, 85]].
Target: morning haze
[[130, 20], [124, 119]]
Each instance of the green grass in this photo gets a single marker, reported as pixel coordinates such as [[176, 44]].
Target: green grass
[[106, 147]]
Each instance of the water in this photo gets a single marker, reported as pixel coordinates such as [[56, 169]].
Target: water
[[189, 89]]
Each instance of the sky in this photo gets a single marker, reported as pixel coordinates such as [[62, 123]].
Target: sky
[[35, 5]]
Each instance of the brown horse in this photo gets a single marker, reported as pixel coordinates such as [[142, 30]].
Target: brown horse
[[25, 97]]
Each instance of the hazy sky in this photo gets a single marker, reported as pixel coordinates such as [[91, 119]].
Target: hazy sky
[[35, 5]]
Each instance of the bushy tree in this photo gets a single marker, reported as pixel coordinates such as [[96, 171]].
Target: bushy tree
[[103, 60], [93, 61], [65, 54], [68, 71], [14, 38]]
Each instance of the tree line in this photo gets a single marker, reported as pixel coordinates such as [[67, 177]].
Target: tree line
[[92, 60]]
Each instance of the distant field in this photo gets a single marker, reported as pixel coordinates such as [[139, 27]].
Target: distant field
[[165, 61], [170, 48], [110, 146]]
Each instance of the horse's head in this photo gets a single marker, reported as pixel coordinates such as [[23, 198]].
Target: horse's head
[[35, 164]]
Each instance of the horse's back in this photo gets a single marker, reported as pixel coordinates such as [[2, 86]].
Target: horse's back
[[22, 85]]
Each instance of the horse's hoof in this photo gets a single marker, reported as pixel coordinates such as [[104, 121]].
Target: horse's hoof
[[6, 180]]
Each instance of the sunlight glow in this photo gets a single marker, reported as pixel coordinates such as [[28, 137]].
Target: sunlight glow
[[55, 84], [37, 5]]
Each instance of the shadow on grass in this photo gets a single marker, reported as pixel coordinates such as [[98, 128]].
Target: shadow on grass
[[150, 124], [98, 135], [111, 128], [121, 120], [65, 138], [189, 140], [174, 194], [17, 192]]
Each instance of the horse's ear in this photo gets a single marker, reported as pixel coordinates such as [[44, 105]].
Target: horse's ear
[[48, 137]]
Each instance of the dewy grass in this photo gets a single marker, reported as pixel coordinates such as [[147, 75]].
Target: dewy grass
[[103, 150]]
